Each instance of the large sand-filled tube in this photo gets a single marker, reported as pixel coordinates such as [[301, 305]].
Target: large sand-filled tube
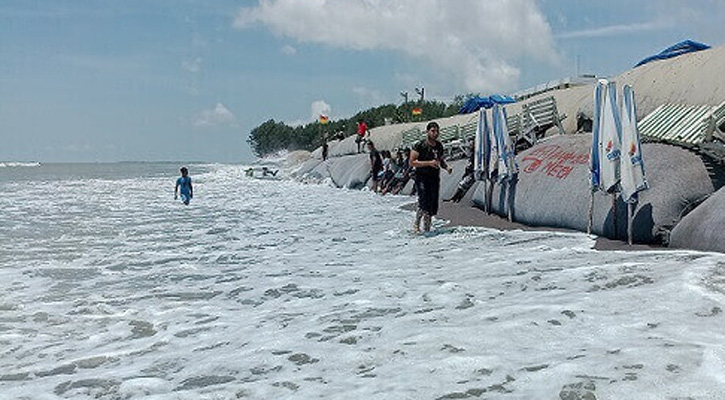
[[702, 229], [449, 183], [351, 172], [305, 168], [552, 190]]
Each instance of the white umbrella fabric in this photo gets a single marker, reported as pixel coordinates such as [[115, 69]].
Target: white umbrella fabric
[[481, 146], [507, 166], [485, 157], [607, 133], [606, 146], [632, 164]]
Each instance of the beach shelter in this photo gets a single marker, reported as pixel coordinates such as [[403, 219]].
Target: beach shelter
[[604, 163], [632, 165]]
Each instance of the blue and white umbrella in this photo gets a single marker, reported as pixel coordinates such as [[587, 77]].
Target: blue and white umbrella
[[507, 166], [481, 148], [505, 155], [485, 156], [606, 137], [606, 149], [632, 165]]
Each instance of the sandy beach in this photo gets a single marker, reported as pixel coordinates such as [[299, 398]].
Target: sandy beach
[[464, 214]]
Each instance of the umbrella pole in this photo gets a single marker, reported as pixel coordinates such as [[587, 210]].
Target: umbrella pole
[[591, 213], [509, 208], [485, 195], [489, 194], [630, 212], [614, 213]]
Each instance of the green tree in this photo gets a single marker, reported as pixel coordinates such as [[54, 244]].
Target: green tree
[[272, 136]]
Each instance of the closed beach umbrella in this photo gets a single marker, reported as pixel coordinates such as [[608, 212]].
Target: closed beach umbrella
[[632, 165], [478, 146], [507, 166], [606, 145], [482, 146], [604, 160], [485, 156]]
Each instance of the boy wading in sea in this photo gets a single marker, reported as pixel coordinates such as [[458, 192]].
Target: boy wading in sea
[[183, 187], [427, 159]]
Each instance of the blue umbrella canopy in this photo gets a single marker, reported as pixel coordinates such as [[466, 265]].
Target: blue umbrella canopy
[[475, 103], [678, 49]]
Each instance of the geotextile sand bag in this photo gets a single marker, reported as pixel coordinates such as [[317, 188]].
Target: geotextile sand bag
[[552, 189], [351, 172], [702, 229]]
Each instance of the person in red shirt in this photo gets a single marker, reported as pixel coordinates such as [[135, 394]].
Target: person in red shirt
[[362, 131]]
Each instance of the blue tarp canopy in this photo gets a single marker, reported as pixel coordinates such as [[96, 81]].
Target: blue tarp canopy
[[685, 46], [475, 103]]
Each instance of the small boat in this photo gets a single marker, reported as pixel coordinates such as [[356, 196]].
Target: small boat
[[262, 173]]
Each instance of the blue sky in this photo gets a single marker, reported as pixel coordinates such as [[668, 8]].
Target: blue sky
[[186, 80]]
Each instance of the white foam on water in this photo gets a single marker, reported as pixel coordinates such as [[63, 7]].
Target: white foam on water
[[274, 289], [16, 164]]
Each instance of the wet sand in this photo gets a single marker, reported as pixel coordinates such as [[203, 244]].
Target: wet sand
[[464, 214]]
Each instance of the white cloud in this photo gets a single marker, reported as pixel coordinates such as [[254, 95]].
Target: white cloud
[[288, 50], [474, 44], [219, 116], [192, 66], [613, 30], [318, 108]]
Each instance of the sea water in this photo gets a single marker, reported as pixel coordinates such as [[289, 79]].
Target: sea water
[[273, 289]]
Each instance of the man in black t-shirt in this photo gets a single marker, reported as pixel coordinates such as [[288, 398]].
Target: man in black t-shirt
[[427, 159]]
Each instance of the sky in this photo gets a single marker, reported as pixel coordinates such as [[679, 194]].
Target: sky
[[187, 80]]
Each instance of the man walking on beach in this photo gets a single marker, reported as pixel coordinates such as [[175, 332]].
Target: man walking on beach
[[427, 159], [183, 187]]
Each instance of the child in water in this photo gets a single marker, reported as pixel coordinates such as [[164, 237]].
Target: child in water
[[184, 183]]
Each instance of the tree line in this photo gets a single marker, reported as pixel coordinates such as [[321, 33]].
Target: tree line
[[272, 136]]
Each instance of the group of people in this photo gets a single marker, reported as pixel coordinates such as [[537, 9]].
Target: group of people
[[389, 174], [361, 138]]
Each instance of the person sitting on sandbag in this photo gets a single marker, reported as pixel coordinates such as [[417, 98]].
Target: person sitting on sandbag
[[467, 181]]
